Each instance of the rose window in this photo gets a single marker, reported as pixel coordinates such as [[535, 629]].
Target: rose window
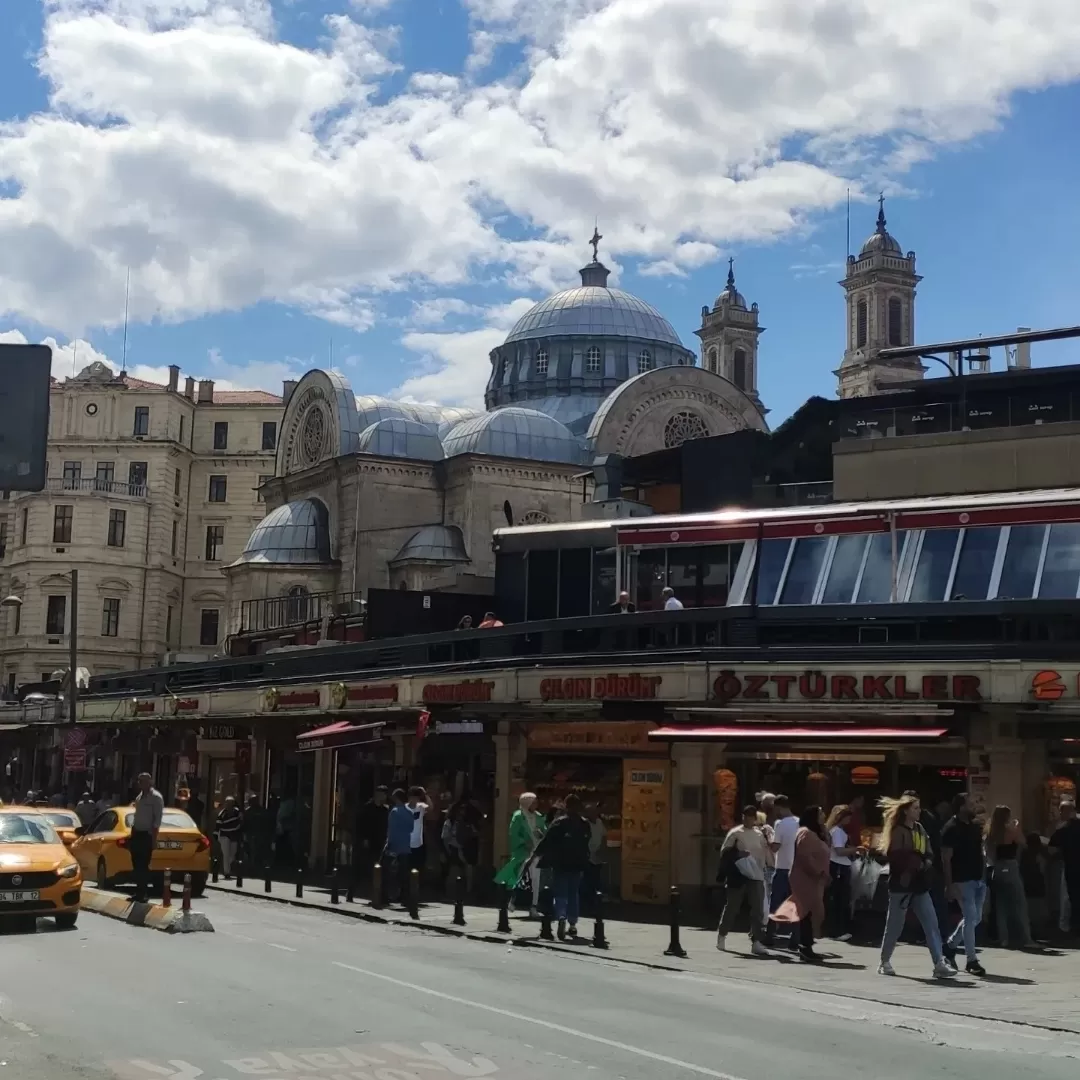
[[682, 426]]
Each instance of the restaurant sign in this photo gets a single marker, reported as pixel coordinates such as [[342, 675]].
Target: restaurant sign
[[364, 694], [612, 687], [275, 699], [466, 692], [815, 686]]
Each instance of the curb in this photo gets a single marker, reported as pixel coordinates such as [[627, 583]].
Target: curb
[[169, 920]]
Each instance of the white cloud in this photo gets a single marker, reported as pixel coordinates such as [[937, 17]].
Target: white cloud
[[184, 139], [436, 311]]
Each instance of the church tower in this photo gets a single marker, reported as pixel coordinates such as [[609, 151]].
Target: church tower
[[880, 289], [729, 338]]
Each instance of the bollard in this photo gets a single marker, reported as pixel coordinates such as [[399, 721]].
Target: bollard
[[459, 900], [675, 948], [166, 889], [350, 891], [267, 883], [598, 939], [300, 882], [546, 905], [185, 903], [238, 870], [377, 899], [414, 894], [504, 911], [335, 894], [214, 869]]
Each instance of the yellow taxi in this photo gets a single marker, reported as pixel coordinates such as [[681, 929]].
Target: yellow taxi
[[65, 822], [38, 875], [103, 854]]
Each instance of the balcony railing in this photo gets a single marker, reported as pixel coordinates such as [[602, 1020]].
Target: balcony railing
[[807, 494], [93, 483], [280, 612]]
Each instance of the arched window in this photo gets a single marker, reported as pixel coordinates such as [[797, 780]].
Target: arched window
[[535, 517], [896, 321], [738, 369], [862, 328], [592, 360], [644, 361], [712, 362], [682, 426], [541, 361], [297, 605]]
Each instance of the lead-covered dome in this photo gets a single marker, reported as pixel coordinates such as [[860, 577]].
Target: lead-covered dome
[[516, 433], [297, 533], [396, 437], [881, 240]]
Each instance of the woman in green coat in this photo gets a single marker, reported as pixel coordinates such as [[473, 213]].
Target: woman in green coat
[[526, 828]]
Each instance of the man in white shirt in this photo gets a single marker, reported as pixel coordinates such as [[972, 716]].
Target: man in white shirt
[[785, 827], [742, 865], [145, 824], [671, 601], [419, 804]]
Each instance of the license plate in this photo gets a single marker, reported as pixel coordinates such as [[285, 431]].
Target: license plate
[[170, 845], [18, 897]]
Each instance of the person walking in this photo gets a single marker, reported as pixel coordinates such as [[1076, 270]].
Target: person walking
[[87, 810], [671, 601], [369, 837], [906, 847], [230, 830], [807, 880], [964, 870], [399, 833], [1033, 873], [149, 806], [526, 830], [564, 850], [785, 829], [1004, 842], [840, 855], [766, 816], [592, 881], [1065, 843], [419, 803], [742, 866]]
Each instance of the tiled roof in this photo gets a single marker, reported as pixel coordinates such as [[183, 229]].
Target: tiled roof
[[141, 384], [246, 397]]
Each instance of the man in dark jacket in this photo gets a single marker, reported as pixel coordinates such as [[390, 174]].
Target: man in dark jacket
[[370, 836], [565, 851]]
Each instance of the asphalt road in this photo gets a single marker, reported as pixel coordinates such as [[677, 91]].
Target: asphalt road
[[285, 994]]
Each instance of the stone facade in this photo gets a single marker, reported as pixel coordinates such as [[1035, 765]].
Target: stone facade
[[138, 474], [729, 338]]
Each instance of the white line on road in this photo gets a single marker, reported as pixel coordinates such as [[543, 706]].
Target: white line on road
[[284, 948], [701, 1070]]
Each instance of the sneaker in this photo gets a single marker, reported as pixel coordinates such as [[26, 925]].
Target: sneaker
[[949, 953], [844, 937], [973, 967], [561, 932], [757, 949], [944, 970], [572, 932], [534, 913], [808, 956], [885, 968], [721, 942]]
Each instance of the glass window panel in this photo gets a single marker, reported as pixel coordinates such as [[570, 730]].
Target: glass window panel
[[935, 565], [876, 584], [1061, 570], [651, 578], [804, 570], [978, 549], [603, 586], [1021, 562], [844, 571], [718, 564], [770, 567]]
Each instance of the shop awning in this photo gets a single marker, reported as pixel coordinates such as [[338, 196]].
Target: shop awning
[[339, 735], [776, 732]]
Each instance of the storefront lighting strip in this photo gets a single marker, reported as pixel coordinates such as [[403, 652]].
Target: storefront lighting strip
[[789, 712]]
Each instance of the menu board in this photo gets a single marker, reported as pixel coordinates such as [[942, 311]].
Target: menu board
[[646, 830]]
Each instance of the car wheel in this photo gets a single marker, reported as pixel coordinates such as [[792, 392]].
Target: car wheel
[[198, 885], [102, 874], [67, 920]]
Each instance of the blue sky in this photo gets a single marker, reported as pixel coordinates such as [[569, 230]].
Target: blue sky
[[390, 182]]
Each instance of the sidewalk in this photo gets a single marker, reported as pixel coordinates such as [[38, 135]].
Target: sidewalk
[[1038, 989]]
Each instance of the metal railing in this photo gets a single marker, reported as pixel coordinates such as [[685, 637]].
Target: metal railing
[[92, 483], [281, 612], [807, 494]]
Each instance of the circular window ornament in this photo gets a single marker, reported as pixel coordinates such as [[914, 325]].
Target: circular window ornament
[[682, 426], [91, 409], [313, 437], [819, 528]]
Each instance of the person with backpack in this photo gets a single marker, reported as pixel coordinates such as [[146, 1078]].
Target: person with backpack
[[743, 857], [565, 851]]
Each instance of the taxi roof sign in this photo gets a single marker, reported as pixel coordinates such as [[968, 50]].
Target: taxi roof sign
[[24, 415]]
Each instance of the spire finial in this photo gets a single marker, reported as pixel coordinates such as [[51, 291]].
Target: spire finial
[[595, 241], [731, 273], [881, 212]]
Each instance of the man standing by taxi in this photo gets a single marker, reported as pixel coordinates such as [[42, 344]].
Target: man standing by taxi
[[149, 806]]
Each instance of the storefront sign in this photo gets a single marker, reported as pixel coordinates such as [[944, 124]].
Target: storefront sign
[[275, 699], [342, 695], [633, 687], [464, 727], [612, 738], [143, 708], [467, 691], [225, 732], [811, 686], [1048, 685], [75, 760], [646, 828], [179, 706]]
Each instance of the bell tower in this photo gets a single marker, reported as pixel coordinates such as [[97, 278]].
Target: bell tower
[[729, 338], [880, 292]]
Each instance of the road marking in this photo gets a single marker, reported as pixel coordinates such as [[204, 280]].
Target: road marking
[[283, 948], [701, 1070], [26, 1029]]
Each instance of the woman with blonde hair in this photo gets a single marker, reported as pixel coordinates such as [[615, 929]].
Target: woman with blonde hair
[[840, 852], [1003, 844], [910, 862], [527, 828]]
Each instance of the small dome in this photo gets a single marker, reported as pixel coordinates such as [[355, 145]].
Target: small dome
[[880, 240], [730, 296], [298, 532], [371, 408], [434, 543], [395, 437], [514, 432]]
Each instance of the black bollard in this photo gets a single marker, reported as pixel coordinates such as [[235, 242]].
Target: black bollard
[[414, 894], [459, 900], [238, 870], [266, 879], [350, 889], [377, 898], [598, 939], [675, 948], [546, 904], [335, 895], [300, 882], [504, 911], [214, 869]]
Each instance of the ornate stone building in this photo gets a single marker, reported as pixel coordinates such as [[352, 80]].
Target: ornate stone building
[[151, 489]]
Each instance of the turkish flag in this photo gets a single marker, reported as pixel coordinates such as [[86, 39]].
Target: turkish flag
[[422, 722]]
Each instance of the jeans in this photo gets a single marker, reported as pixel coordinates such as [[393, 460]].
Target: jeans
[[766, 894], [746, 892], [781, 889], [839, 899], [228, 853], [1011, 910], [567, 890], [141, 847], [899, 905], [972, 896]]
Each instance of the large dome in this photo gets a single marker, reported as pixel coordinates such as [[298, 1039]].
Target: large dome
[[594, 311]]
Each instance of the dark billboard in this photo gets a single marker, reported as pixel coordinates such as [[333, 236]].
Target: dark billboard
[[24, 415]]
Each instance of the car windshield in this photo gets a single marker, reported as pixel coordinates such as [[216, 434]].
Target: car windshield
[[61, 819], [170, 819], [26, 829]]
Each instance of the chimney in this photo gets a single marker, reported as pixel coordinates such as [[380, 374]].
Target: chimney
[[206, 391], [189, 388], [287, 388], [174, 377]]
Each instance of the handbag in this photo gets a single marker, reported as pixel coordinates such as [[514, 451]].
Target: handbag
[[750, 868]]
